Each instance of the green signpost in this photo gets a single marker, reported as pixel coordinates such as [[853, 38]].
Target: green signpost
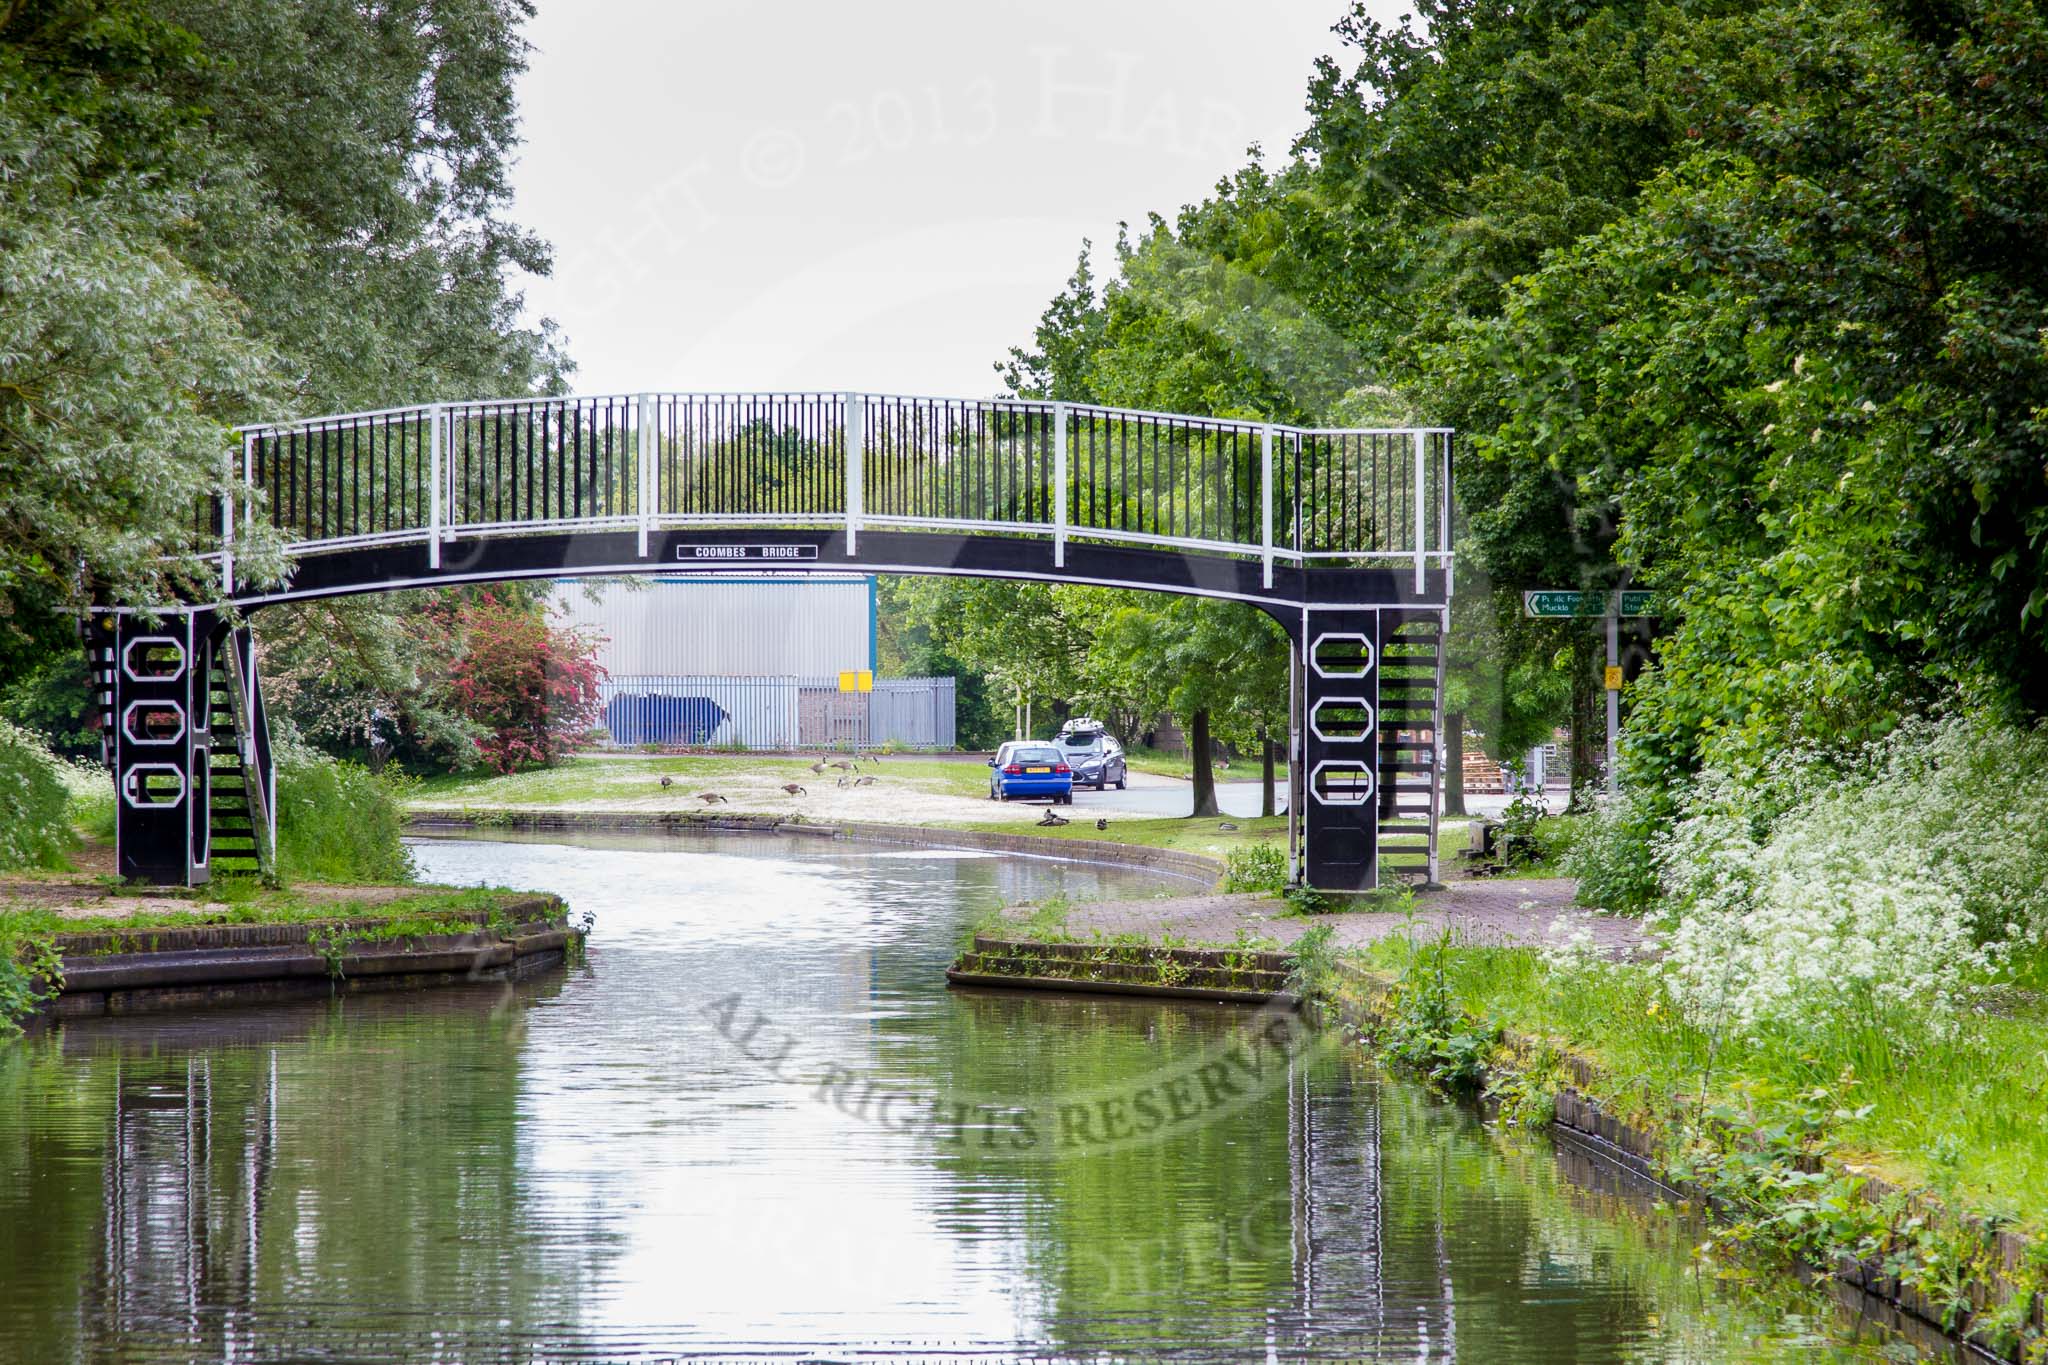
[[1557, 602], [1554, 603]]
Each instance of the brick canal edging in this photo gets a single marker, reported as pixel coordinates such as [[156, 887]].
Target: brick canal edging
[[1362, 1001], [1195, 866], [151, 969], [1229, 975]]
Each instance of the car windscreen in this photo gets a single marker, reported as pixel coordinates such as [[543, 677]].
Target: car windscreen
[[1081, 739]]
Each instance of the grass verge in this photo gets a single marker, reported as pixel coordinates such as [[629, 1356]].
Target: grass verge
[[30, 959], [1901, 1158], [587, 780], [1183, 834]]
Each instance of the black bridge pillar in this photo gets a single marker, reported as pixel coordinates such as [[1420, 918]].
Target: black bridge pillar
[[1338, 671], [157, 712], [180, 712]]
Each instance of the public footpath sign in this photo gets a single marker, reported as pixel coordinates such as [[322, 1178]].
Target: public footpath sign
[[1559, 602], [1562, 603]]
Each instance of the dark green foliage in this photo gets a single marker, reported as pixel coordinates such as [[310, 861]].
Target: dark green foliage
[[1741, 302], [211, 213]]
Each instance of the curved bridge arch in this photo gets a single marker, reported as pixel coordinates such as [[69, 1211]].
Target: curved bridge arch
[[1340, 535]]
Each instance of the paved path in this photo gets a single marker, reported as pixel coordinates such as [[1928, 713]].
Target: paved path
[[1480, 912]]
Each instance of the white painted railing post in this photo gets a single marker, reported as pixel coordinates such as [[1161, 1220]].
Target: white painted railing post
[[646, 457], [1266, 501], [1059, 485], [1443, 498], [853, 423], [1421, 506], [434, 487], [227, 524], [248, 478]]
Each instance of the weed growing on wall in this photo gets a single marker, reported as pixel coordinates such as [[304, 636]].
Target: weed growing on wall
[[1255, 867]]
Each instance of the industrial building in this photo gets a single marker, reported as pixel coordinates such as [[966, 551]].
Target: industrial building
[[750, 662]]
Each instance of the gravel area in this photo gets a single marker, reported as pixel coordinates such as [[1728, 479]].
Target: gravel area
[[1478, 912]]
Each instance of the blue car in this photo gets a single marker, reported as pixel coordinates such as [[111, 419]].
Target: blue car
[[1030, 767]]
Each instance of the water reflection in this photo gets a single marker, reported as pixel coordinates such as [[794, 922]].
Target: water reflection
[[592, 1167]]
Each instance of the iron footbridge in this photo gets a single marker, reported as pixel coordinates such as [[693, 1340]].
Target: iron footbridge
[[1341, 535]]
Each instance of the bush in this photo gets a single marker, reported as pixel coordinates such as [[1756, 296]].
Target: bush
[[531, 686], [1873, 891], [90, 788], [1255, 867], [1613, 853], [35, 820], [338, 821]]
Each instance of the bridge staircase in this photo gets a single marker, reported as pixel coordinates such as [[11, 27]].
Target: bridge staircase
[[1411, 710], [239, 829]]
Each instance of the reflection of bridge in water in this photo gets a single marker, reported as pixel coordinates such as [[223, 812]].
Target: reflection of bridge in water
[[1342, 536]]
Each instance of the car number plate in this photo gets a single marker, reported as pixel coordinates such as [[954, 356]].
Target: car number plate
[[1038, 770]]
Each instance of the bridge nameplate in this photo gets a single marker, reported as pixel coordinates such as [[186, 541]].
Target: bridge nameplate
[[755, 553]]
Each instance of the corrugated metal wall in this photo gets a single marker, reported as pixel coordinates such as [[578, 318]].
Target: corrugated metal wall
[[724, 626], [778, 713]]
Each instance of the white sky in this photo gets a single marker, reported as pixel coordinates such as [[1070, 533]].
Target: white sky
[[878, 196]]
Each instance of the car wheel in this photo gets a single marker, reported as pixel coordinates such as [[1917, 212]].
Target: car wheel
[[1119, 784]]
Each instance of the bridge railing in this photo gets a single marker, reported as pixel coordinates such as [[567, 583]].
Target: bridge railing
[[1070, 472]]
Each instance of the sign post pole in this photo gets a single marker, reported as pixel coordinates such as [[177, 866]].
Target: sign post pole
[[1554, 603], [1613, 680]]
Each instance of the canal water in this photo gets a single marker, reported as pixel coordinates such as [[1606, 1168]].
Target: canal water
[[755, 1124]]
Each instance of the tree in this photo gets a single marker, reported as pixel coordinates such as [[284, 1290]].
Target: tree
[[530, 686], [1219, 667], [212, 214]]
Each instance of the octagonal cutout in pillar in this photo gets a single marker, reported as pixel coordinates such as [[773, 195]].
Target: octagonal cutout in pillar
[[1341, 654], [153, 658], [1341, 720], [1341, 782], [153, 722]]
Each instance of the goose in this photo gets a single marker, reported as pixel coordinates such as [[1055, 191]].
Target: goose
[[818, 767], [667, 781], [841, 782], [710, 798], [1102, 822], [843, 765], [864, 781], [1226, 825], [1051, 818], [794, 790]]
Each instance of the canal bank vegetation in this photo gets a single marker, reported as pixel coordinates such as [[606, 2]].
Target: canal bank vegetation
[[1897, 1160], [1838, 1030], [39, 933], [1841, 1036]]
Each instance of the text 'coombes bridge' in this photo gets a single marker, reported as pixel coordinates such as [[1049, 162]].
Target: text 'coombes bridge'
[[1342, 535]]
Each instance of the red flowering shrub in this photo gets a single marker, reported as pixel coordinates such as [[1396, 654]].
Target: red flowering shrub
[[533, 686]]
